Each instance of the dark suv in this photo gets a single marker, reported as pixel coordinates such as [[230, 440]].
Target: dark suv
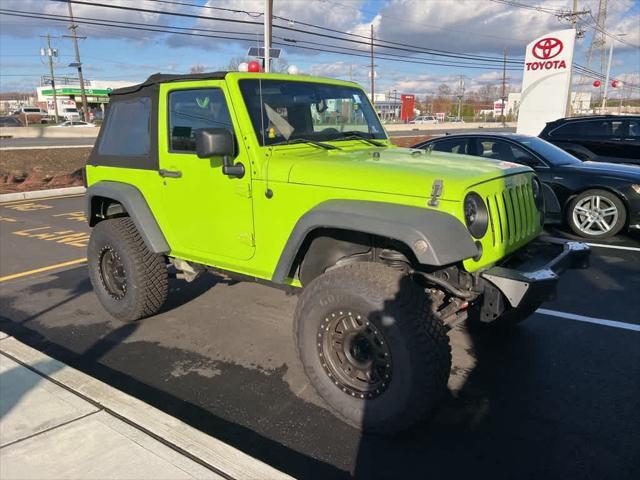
[[602, 138]]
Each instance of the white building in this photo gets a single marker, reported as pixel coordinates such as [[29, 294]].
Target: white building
[[580, 103], [97, 92]]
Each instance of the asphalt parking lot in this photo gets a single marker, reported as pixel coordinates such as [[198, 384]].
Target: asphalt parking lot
[[558, 397]]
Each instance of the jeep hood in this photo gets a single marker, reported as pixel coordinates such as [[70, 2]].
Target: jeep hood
[[392, 170]]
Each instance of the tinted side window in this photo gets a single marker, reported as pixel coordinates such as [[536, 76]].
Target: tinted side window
[[190, 110], [453, 145], [127, 129], [506, 151], [591, 128], [616, 128], [634, 128]]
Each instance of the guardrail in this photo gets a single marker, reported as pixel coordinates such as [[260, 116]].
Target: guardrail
[[49, 132], [394, 127]]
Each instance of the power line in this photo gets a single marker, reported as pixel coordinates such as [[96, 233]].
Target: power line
[[422, 24], [188, 31], [328, 29], [185, 31], [138, 26], [537, 8], [412, 48]]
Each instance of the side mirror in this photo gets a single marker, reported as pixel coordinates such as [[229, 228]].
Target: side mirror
[[214, 142]]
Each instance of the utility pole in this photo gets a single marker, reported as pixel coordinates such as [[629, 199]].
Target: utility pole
[[504, 86], [373, 72], [50, 53], [73, 27], [268, 19], [460, 95], [606, 81], [574, 24]]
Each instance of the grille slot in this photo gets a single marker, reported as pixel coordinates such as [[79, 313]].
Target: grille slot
[[512, 215]]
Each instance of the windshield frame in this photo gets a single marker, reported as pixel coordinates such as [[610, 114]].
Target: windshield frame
[[261, 121]]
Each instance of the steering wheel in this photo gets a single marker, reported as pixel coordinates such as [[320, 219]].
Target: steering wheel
[[330, 130]]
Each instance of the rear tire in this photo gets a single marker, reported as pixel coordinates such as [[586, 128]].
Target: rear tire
[[393, 361], [130, 281]]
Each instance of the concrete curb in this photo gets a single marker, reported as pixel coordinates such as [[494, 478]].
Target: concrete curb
[[32, 195], [209, 451]]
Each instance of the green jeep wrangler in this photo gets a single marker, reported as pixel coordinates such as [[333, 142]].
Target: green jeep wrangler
[[292, 180]]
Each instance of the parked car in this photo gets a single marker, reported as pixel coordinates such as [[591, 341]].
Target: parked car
[[596, 199], [602, 138], [424, 119], [10, 122], [75, 124]]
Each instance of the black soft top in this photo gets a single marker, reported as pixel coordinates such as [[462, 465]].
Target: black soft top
[[158, 78]]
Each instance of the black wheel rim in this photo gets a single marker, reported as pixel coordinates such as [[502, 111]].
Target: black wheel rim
[[354, 354], [112, 273]]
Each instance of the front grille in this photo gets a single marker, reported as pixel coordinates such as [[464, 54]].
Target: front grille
[[513, 216]]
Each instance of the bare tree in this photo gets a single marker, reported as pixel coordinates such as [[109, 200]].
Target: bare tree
[[197, 69], [444, 90], [234, 63], [279, 65]]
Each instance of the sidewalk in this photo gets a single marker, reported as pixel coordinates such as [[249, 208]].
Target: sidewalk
[[58, 423]]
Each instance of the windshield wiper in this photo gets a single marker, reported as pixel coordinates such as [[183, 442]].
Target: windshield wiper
[[355, 135], [326, 146]]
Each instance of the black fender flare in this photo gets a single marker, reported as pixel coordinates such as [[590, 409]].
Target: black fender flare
[[447, 240], [137, 208]]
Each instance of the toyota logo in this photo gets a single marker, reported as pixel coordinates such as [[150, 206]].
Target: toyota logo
[[547, 48]]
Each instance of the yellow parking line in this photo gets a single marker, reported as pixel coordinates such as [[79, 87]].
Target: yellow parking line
[[43, 269], [19, 202]]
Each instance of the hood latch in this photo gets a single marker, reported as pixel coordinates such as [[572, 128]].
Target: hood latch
[[436, 192]]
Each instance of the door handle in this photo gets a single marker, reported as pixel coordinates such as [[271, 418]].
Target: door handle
[[170, 173]]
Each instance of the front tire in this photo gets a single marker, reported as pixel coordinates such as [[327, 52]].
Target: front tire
[[130, 281], [596, 214], [370, 346]]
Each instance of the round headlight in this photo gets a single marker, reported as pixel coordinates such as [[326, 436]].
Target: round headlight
[[538, 197], [476, 215], [536, 189]]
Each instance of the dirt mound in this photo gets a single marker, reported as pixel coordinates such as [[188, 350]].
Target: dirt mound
[[39, 169]]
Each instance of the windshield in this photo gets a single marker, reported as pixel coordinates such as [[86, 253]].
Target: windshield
[[552, 154], [310, 111], [70, 110]]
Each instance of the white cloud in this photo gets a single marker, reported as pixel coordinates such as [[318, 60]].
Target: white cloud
[[28, 27]]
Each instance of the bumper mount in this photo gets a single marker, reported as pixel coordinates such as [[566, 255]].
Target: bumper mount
[[530, 277]]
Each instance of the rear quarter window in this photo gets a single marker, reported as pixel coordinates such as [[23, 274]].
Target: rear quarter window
[[127, 128]]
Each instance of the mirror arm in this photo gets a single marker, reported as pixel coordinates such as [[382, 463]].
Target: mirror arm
[[230, 169]]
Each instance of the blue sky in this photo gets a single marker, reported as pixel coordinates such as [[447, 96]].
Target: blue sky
[[475, 27]]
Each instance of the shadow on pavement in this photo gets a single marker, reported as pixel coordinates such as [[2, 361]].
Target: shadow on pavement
[[525, 406], [111, 349]]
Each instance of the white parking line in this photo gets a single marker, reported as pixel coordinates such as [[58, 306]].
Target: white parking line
[[582, 318], [617, 247]]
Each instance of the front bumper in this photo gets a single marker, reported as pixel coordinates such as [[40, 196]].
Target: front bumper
[[530, 277]]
